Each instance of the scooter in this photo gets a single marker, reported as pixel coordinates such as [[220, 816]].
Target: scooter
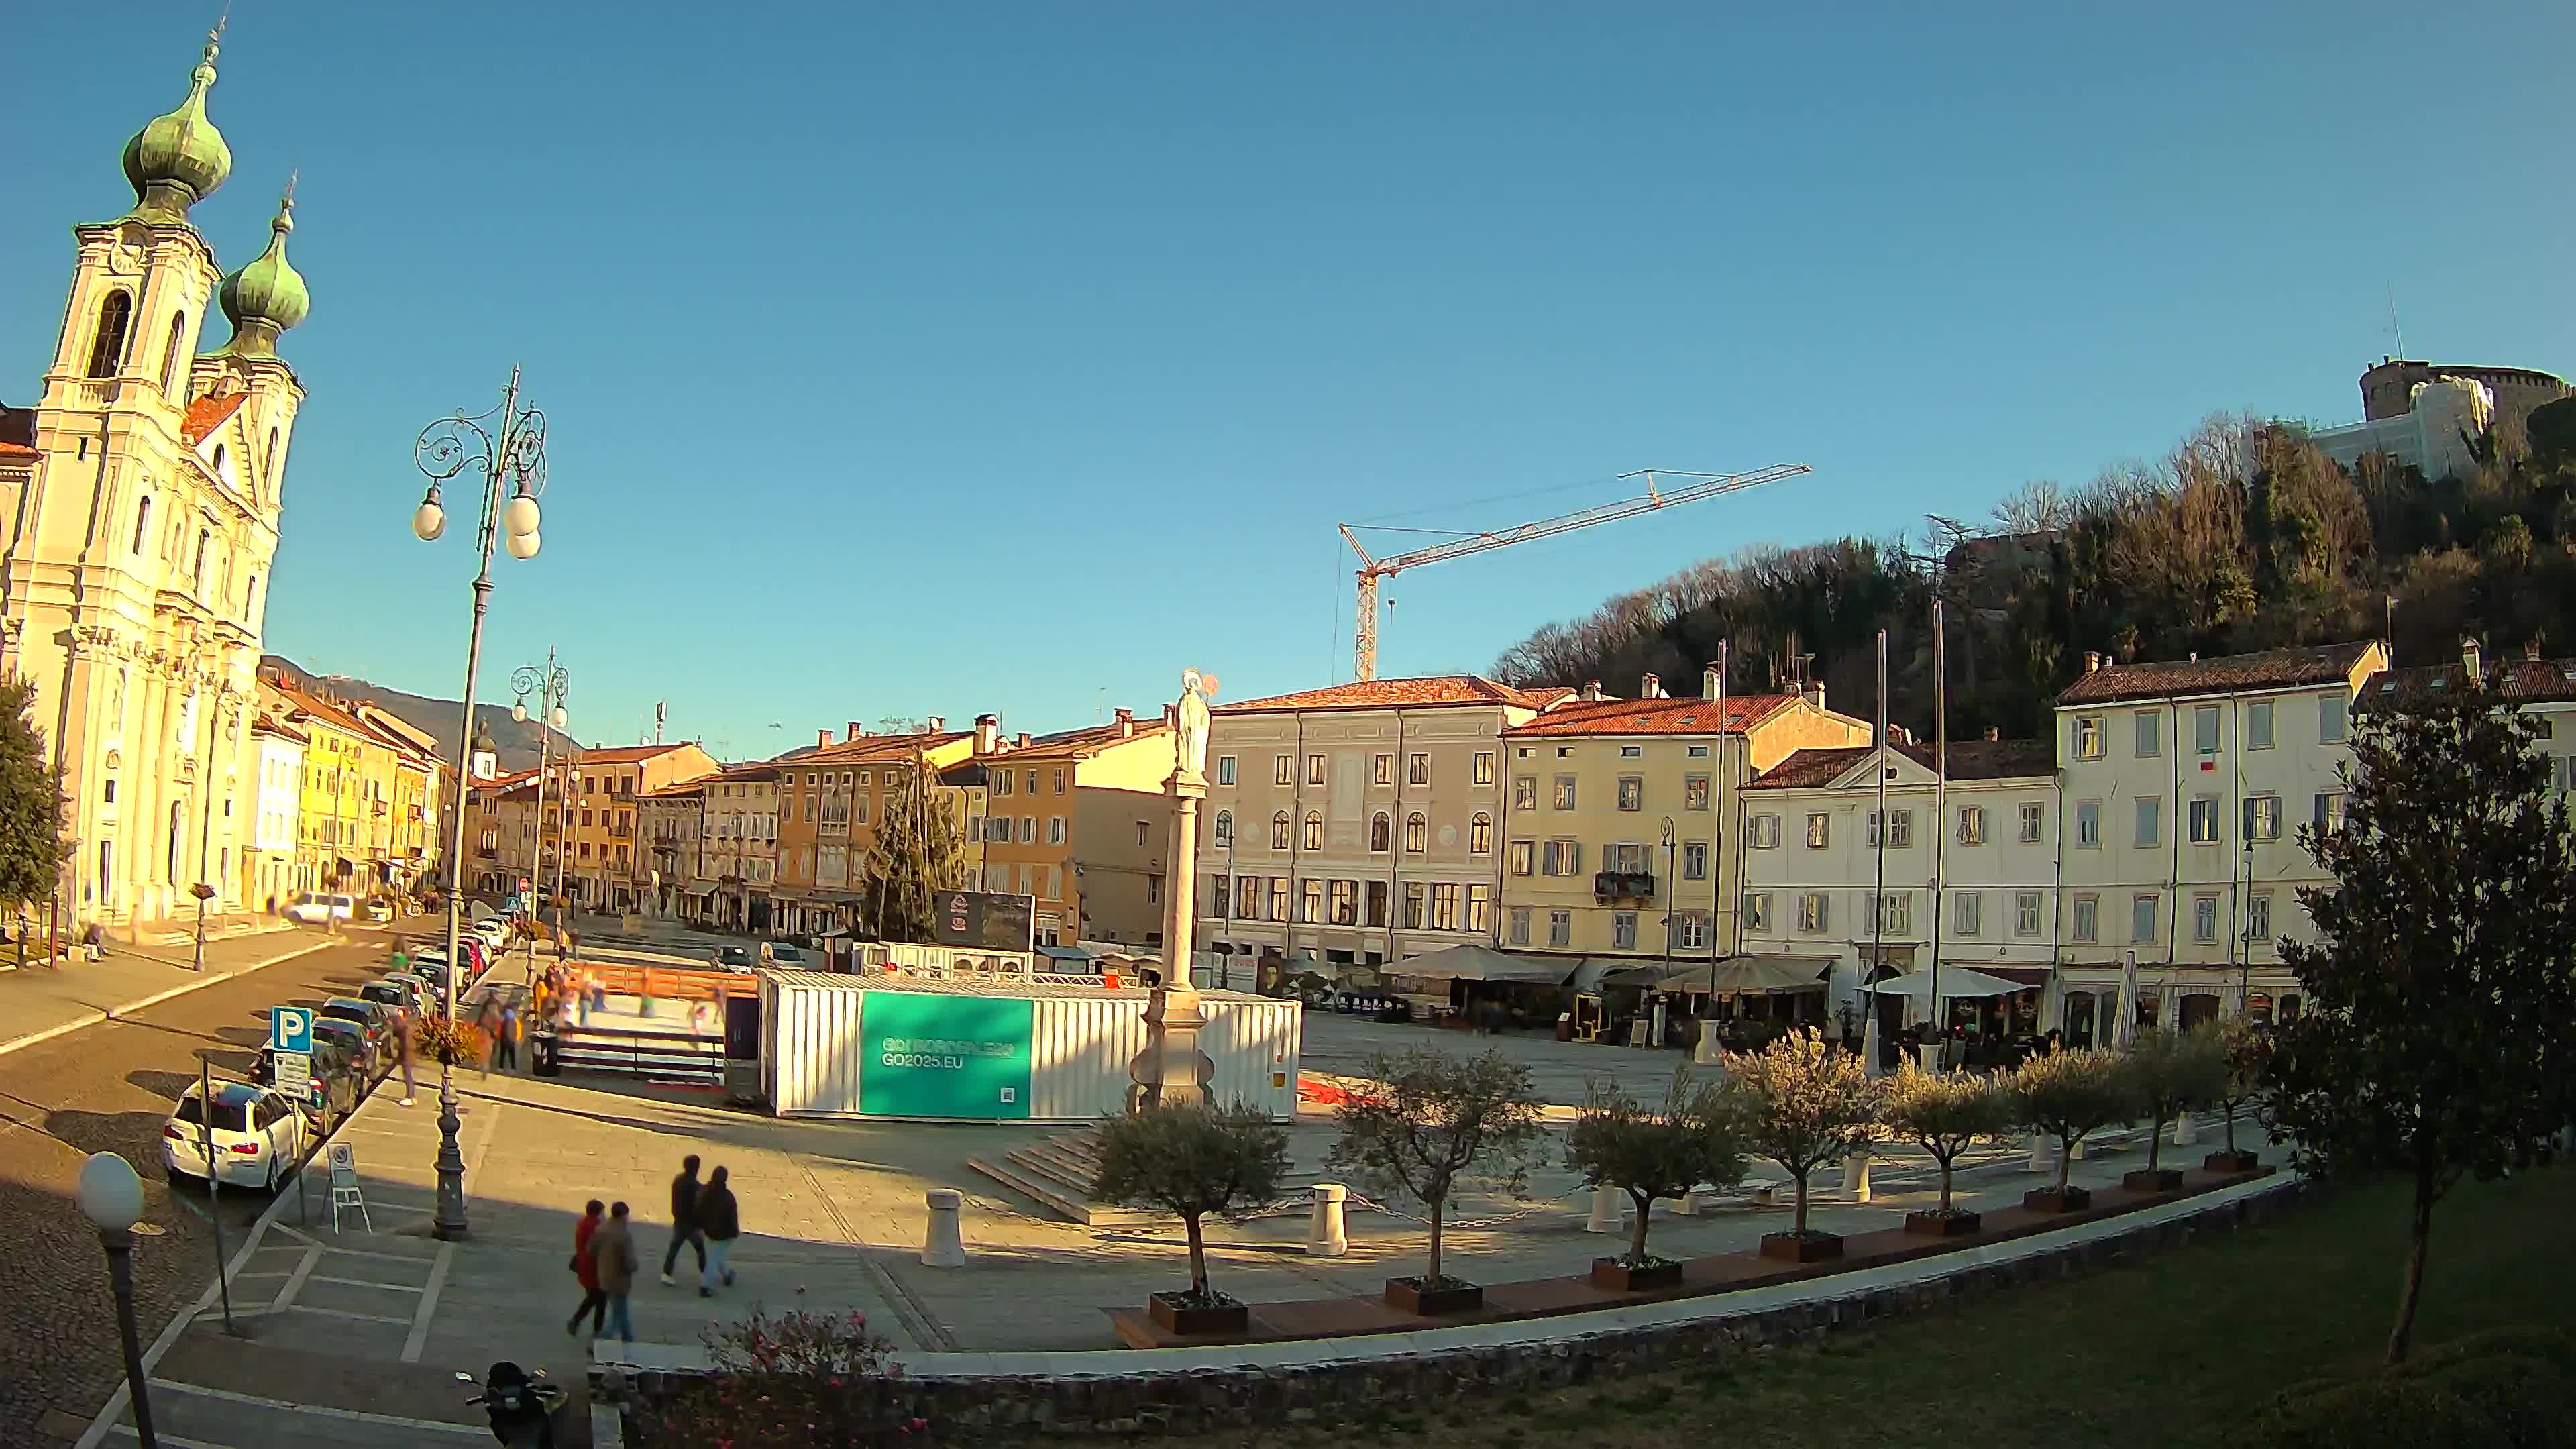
[[522, 1406]]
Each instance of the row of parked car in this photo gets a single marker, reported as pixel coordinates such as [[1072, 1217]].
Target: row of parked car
[[253, 1133]]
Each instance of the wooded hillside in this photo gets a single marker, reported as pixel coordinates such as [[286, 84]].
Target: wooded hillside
[[2245, 537]]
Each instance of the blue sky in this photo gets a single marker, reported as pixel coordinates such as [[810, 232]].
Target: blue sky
[[935, 359]]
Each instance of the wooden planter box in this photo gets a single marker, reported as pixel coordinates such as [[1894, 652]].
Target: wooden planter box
[[1612, 1276], [1814, 1248], [1405, 1297], [2231, 1162], [1935, 1225], [1233, 1318], [2053, 1200], [2152, 1179]]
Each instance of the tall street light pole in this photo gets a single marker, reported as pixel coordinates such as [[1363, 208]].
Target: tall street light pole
[[508, 447], [549, 685]]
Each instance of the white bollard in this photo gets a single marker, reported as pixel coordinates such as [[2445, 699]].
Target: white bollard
[[2041, 1158], [2076, 1154], [1606, 1217], [2184, 1133], [941, 1244], [1325, 1237], [1856, 1176]]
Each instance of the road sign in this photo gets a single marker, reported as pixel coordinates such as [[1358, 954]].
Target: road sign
[[290, 1028], [295, 1074], [344, 1165]]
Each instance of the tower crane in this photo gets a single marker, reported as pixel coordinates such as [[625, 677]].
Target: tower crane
[[1695, 486]]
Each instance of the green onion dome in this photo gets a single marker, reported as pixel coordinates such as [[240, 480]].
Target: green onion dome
[[267, 297], [177, 160]]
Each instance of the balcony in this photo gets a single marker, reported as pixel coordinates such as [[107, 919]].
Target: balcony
[[1623, 885]]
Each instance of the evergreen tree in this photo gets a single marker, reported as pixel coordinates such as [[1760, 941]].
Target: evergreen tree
[[2440, 1032], [919, 851], [32, 848]]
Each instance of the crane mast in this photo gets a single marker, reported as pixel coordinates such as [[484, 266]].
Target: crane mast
[[1696, 487]]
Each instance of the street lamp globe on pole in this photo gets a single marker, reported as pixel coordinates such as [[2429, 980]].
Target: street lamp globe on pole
[[549, 684], [507, 447], [111, 1197]]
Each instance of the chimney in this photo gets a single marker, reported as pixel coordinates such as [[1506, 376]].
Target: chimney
[[1709, 686], [1591, 690], [822, 738], [1814, 694], [937, 724], [1126, 723], [1022, 742], [1651, 687], [854, 730], [988, 730], [2470, 658], [2092, 661], [1994, 732]]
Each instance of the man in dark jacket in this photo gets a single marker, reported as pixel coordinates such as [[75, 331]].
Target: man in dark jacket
[[722, 1221], [684, 1219]]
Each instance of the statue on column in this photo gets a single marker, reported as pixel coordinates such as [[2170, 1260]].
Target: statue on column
[[1190, 735]]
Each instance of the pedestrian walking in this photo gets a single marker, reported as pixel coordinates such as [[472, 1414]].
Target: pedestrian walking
[[505, 1050], [403, 1030], [720, 1218], [612, 1251], [585, 1270], [684, 1219]]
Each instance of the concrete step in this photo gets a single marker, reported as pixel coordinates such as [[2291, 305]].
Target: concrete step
[[1053, 1195]]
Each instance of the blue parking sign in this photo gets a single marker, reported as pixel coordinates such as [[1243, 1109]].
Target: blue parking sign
[[290, 1028]]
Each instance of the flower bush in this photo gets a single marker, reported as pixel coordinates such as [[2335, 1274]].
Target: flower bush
[[803, 1378], [453, 1043]]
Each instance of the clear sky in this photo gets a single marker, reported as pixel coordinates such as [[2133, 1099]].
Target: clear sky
[[936, 359]]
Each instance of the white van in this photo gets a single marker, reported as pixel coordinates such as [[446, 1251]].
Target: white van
[[314, 908]]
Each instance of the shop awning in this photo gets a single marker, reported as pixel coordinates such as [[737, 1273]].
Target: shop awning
[[2026, 977], [1738, 975], [1956, 981], [1471, 962]]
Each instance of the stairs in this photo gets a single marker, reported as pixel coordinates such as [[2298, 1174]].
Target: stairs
[[1057, 1173]]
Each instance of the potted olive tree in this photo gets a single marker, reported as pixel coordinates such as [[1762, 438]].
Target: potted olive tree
[[2247, 1054], [1191, 1161], [1422, 1124], [2068, 1095], [1944, 1113], [1697, 1137], [1805, 1104], [2169, 1073]]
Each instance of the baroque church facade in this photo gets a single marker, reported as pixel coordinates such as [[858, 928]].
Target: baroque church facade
[[142, 514]]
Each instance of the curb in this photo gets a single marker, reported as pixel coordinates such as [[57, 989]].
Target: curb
[[93, 1018]]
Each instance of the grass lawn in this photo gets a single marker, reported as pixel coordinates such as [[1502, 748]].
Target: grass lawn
[[2154, 1353]]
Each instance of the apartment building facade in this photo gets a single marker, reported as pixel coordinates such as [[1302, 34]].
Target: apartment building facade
[[737, 862], [607, 869], [1080, 822], [354, 783], [1830, 884], [2184, 785], [830, 801], [667, 819], [268, 862], [1360, 823], [1618, 828]]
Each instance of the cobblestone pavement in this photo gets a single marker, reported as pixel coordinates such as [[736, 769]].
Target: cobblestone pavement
[[110, 1087]]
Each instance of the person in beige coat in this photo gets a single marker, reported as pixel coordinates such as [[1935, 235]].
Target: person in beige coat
[[612, 1252]]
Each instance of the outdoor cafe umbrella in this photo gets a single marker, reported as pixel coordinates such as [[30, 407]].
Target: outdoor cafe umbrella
[[2124, 1028], [1956, 981], [1869, 1046]]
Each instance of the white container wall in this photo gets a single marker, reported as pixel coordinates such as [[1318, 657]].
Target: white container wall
[[937, 960], [815, 1054]]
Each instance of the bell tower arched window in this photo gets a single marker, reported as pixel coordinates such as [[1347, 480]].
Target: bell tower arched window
[[142, 522], [171, 378], [107, 344]]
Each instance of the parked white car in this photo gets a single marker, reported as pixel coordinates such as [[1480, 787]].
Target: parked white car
[[258, 1136], [314, 908]]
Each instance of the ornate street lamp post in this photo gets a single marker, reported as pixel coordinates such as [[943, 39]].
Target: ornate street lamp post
[[111, 1197], [549, 685], [508, 447]]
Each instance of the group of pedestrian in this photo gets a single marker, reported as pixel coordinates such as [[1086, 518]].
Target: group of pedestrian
[[704, 1217]]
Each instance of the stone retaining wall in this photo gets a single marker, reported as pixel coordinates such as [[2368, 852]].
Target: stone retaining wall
[[1333, 1390]]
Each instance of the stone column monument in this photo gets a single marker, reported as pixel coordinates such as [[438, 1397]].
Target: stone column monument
[[1171, 1070]]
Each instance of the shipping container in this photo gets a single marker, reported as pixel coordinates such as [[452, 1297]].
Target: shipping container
[[908, 1048], [922, 958]]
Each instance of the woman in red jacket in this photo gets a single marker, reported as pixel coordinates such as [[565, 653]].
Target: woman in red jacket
[[594, 1299]]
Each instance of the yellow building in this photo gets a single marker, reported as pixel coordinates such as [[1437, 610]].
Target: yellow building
[[1079, 821], [830, 799], [1619, 816], [610, 867], [350, 831]]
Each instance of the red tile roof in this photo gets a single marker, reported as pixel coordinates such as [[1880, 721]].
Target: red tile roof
[[19, 451], [1083, 743], [2528, 681], [2271, 669], [207, 414], [626, 754], [868, 749], [1430, 690], [1969, 760], [1692, 716]]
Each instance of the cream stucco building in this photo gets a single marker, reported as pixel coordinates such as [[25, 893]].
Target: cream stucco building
[[141, 529]]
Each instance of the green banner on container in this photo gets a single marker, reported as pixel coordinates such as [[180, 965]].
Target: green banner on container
[[935, 1055]]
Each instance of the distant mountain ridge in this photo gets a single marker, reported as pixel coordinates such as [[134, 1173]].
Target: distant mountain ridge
[[514, 744]]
